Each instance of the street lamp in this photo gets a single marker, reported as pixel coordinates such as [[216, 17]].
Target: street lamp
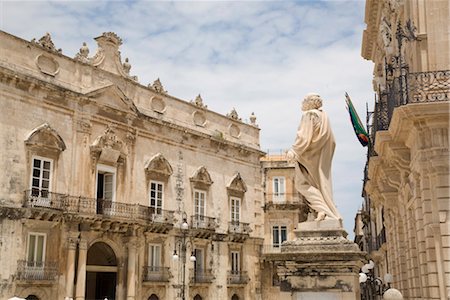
[[182, 244], [372, 286]]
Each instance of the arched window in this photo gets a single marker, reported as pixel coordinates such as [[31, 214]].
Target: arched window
[[32, 297], [198, 297], [153, 297], [235, 297]]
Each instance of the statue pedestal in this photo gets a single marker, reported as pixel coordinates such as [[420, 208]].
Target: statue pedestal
[[321, 263]]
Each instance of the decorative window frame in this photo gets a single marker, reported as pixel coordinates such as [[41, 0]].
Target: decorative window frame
[[44, 142]]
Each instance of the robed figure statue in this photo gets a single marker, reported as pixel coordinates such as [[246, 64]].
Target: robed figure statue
[[312, 153]]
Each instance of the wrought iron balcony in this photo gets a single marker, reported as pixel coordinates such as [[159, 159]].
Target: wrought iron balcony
[[203, 222], [286, 201], [36, 270], [156, 274], [81, 205], [44, 199], [237, 277], [239, 227], [92, 206], [408, 88], [201, 276]]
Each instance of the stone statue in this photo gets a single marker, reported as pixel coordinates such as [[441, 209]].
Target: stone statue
[[312, 153]]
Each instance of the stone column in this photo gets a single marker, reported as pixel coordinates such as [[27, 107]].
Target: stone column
[[70, 268], [131, 270], [81, 272]]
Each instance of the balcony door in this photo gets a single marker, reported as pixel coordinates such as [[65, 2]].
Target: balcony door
[[156, 198], [105, 189], [199, 208], [199, 266], [41, 181]]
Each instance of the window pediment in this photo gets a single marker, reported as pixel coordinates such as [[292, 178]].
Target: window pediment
[[237, 186], [44, 136], [108, 148], [201, 178], [158, 167]]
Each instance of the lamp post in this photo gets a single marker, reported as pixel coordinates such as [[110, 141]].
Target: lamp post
[[372, 286], [182, 244]]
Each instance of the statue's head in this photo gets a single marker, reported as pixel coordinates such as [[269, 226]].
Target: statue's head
[[311, 101]]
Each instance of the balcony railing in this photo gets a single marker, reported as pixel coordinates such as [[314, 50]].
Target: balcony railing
[[156, 274], [201, 275], [381, 238], [81, 205], [92, 206], [36, 270], [44, 199], [203, 222], [239, 227], [407, 88], [237, 277]]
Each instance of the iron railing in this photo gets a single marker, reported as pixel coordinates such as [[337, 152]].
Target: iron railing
[[92, 206], [201, 275], [36, 270], [156, 274], [203, 222], [239, 227], [237, 277], [44, 199], [408, 88], [283, 198], [81, 205]]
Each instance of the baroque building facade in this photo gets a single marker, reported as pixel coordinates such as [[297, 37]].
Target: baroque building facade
[[106, 182], [284, 208], [404, 223]]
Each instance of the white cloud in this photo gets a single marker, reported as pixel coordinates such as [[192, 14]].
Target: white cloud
[[260, 57]]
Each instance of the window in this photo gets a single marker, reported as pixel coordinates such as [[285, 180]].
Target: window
[[279, 235], [106, 182], [235, 209], [156, 196], [199, 204], [41, 177], [279, 188], [199, 261], [154, 256], [235, 262], [36, 249]]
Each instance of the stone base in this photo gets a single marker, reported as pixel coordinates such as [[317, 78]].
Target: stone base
[[321, 263]]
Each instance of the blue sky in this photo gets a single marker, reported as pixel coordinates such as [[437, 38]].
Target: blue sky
[[256, 56]]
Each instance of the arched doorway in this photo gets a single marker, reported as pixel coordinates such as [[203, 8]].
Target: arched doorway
[[32, 297], [153, 297], [198, 297], [101, 272], [235, 297]]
